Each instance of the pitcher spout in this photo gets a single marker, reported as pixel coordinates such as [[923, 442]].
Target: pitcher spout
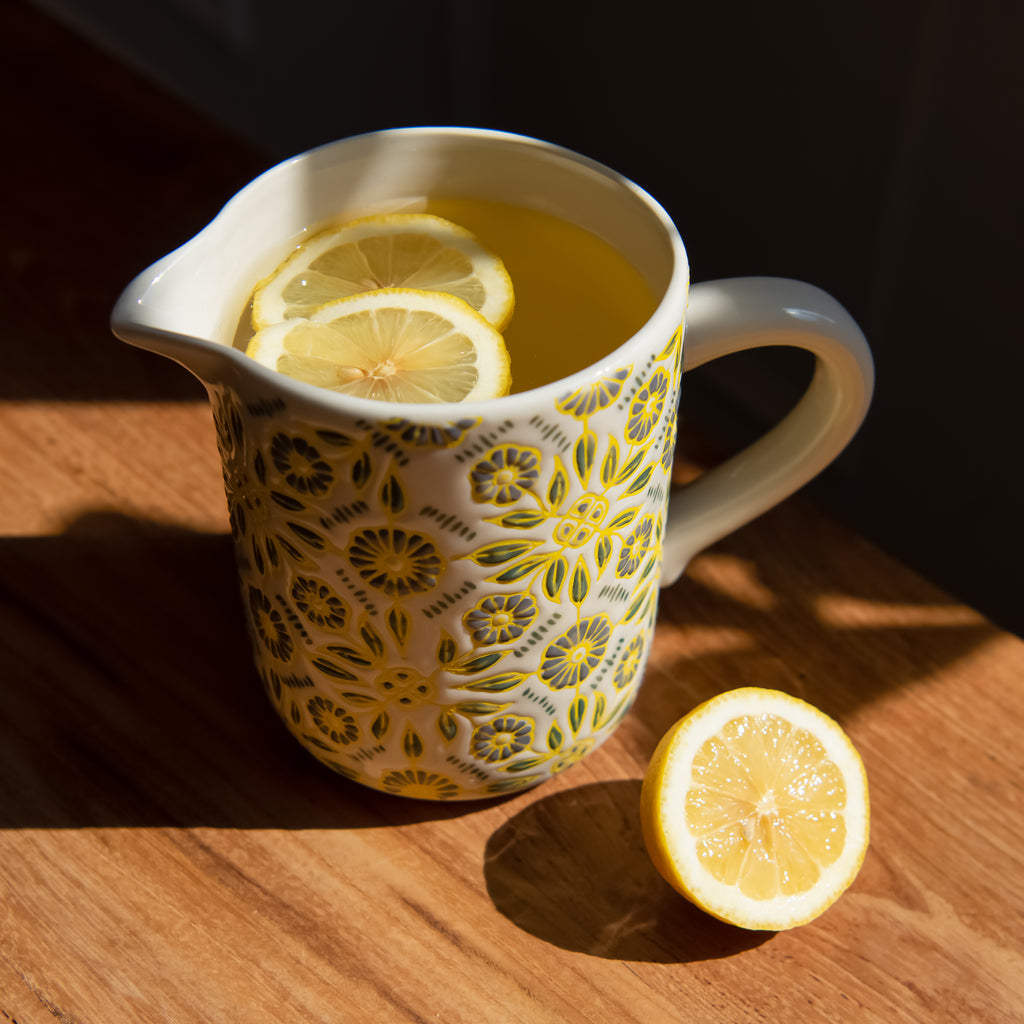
[[173, 308]]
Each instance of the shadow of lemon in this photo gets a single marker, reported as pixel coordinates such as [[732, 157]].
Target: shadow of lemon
[[572, 870]]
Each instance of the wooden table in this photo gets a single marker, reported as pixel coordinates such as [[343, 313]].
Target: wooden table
[[168, 853]]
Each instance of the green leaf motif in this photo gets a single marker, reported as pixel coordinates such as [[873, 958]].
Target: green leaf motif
[[520, 569], [398, 622], [555, 576], [391, 495], [647, 569], [351, 655], [577, 710], [361, 470], [524, 765], [600, 703], [623, 519], [286, 501], [580, 586], [470, 664], [630, 467], [304, 533], [496, 684], [336, 438], [602, 553], [447, 724], [412, 744], [611, 463], [292, 552], [359, 700], [372, 638], [380, 725], [555, 737], [519, 520], [583, 455], [446, 649], [336, 671], [637, 604], [557, 488], [502, 551], [640, 482], [480, 707]]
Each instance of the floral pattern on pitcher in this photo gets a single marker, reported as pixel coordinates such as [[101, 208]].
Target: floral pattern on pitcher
[[529, 596]]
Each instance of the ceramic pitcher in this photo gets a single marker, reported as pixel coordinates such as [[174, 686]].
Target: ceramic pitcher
[[457, 601]]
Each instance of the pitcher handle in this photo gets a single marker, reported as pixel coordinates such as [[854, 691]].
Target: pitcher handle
[[743, 313]]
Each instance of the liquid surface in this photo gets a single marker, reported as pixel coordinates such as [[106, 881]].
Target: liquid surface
[[577, 297]]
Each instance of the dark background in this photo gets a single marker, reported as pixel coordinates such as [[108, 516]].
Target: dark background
[[873, 148]]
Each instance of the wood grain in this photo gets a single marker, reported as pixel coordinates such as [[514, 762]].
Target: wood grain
[[168, 853]]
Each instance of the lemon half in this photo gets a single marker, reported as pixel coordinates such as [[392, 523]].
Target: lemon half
[[401, 250], [395, 345], [755, 807]]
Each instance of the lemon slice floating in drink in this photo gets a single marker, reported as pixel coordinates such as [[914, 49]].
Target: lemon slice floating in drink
[[396, 345], [755, 807], [401, 250]]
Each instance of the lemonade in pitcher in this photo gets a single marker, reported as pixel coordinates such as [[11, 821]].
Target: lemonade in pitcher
[[549, 298]]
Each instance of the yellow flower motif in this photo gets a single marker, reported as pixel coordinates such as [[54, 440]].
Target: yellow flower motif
[[504, 474], [637, 544], [436, 435], [333, 721], [579, 524], [573, 656], [646, 408], [302, 466], [415, 782], [627, 667], [395, 561], [587, 400], [499, 739], [572, 755], [500, 619], [405, 687], [319, 603]]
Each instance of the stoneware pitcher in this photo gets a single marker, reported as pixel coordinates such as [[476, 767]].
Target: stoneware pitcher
[[456, 601]]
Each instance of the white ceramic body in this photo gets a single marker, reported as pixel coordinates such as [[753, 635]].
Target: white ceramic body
[[452, 601]]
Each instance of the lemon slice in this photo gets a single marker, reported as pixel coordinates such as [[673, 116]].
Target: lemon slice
[[396, 345], [399, 250], [755, 807]]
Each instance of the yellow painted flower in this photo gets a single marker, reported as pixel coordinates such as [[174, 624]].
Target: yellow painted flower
[[635, 548], [301, 465], [504, 474], [626, 669], [573, 656], [333, 721], [646, 408], [500, 619], [572, 755], [398, 562], [430, 435], [319, 603], [587, 400], [499, 739], [415, 782]]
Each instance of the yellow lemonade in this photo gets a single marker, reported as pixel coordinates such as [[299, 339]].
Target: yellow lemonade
[[576, 297]]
